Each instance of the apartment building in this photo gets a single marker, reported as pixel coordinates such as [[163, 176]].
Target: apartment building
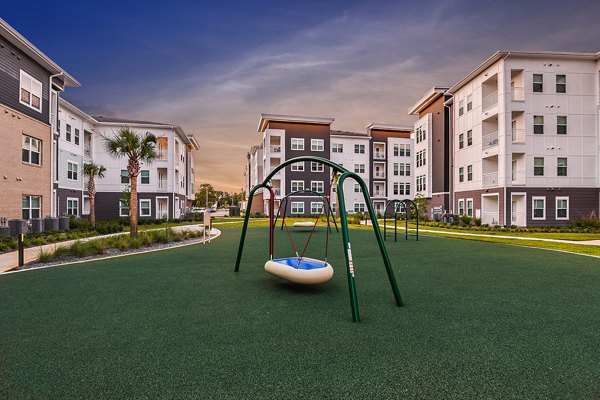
[[526, 139], [30, 86], [432, 150], [165, 186], [381, 156]]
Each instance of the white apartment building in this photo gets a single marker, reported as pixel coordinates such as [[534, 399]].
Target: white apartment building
[[525, 141], [165, 187]]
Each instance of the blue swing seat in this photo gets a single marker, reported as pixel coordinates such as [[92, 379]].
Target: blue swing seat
[[300, 270]]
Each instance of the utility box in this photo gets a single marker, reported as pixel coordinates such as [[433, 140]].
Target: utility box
[[63, 223], [4, 230], [17, 226], [234, 211], [37, 225], [50, 224]]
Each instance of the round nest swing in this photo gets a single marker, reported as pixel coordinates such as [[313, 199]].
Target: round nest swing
[[307, 271]]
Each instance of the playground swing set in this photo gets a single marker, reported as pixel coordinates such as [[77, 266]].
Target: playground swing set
[[304, 270], [401, 207], [326, 209]]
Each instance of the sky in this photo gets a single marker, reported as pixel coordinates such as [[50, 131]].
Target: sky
[[214, 66]]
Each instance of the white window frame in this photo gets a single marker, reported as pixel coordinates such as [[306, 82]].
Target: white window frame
[[121, 176], [316, 167], [461, 207], [566, 166], [24, 76], [317, 145], [68, 133], [470, 212], [314, 186], [533, 199], [71, 171], [121, 208], [30, 208], [76, 200], [359, 168], [396, 189], [357, 188], [30, 151], [359, 149], [297, 144], [337, 147], [76, 137], [297, 207], [297, 166], [359, 207], [559, 198], [142, 177], [145, 201], [299, 186], [469, 102], [315, 207]]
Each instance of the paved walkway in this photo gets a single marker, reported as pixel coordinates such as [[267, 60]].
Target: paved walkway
[[10, 260]]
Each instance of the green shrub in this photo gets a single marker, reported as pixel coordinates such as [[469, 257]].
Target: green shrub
[[465, 220], [99, 245], [106, 227], [81, 249], [134, 242], [45, 256], [146, 239]]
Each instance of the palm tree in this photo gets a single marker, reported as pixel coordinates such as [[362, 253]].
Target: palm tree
[[91, 171], [127, 143]]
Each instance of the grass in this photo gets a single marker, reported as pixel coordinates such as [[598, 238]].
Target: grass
[[481, 321]]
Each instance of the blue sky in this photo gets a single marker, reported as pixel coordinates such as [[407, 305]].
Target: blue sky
[[214, 66]]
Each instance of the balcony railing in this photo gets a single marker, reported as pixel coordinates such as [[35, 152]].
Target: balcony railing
[[277, 191], [379, 155], [161, 155], [379, 193], [489, 101], [517, 218], [161, 185], [490, 218], [87, 150], [490, 179], [490, 140], [518, 177], [518, 135], [275, 149], [518, 93], [380, 175]]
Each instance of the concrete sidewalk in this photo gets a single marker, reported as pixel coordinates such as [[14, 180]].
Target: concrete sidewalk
[[10, 260]]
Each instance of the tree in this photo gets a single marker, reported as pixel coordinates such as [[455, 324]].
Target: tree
[[213, 195], [91, 171], [137, 149]]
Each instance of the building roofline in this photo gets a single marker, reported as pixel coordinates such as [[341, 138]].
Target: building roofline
[[28, 48], [193, 142], [266, 118], [523, 54], [430, 96], [388, 127]]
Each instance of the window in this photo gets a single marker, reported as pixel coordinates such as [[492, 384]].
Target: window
[[421, 160], [123, 208], [407, 148], [561, 84], [72, 171], [396, 188], [359, 149], [561, 167], [316, 167], [32, 150], [359, 168], [396, 167], [316, 186], [561, 125], [461, 140], [402, 169], [538, 83], [316, 207], [124, 176], [461, 207], [357, 188], [317, 145], [421, 183], [469, 172], [297, 144], [470, 207], [461, 107], [397, 150], [297, 207], [539, 207], [538, 166], [30, 92], [407, 169], [72, 206], [299, 166], [469, 137], [77, 136], [359, 207], [469, 102], [562, 208], [31, 207], [145, 208], [297, 185], [461, 174], [145, 174], [407, 189], [337, 147], [68, 135], [538, 124]]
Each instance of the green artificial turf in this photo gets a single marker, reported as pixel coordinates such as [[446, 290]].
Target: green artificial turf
[[481, 321]]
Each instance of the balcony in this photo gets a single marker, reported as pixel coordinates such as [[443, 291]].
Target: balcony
[[161, 185], [518, 177], [379, 155], [275, 149], [490, 218], [87, 150], [378, 193], [490, 140], [379, 175], [518, 93], [490, 179], [277, 191], [518, 135], [490, 101]]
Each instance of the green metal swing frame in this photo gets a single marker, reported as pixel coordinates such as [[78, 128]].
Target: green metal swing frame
[[344, 174]]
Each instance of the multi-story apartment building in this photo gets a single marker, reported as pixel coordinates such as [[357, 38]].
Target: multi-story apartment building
[[382, 157], [165, 187], [432, 150], [526, 139], [30, 84]]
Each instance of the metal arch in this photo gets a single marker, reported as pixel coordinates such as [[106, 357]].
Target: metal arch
[[411, 205], [343, 221], [326, 200]]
